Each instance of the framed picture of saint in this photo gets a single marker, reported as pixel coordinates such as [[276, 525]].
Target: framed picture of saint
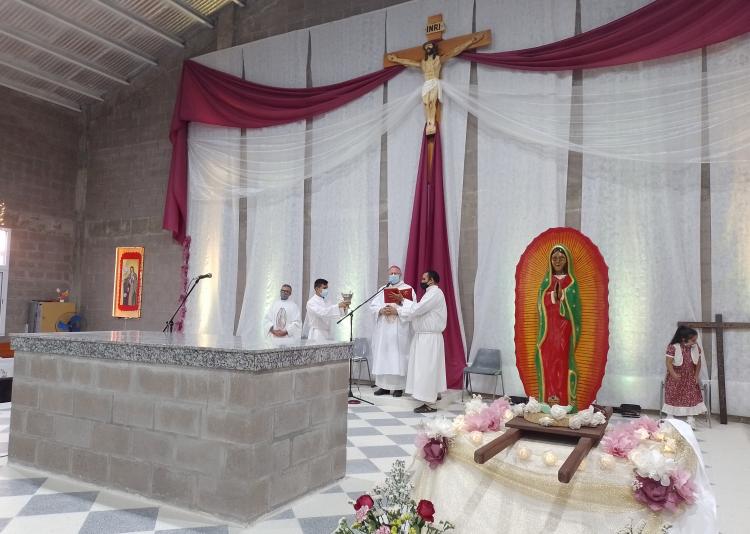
[[127, 298]]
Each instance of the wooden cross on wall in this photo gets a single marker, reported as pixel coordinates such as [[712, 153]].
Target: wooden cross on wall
[[429, 58]]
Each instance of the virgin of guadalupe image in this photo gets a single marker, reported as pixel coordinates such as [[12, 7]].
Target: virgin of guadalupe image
[[129, 287], [559, 309]]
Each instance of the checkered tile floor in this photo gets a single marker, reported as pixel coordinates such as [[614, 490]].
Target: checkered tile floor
[[31, 502]]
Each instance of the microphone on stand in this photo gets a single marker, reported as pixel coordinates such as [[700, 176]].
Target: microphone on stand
[[170, 323]]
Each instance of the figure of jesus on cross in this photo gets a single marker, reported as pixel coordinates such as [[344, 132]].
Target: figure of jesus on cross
[[432, 61]]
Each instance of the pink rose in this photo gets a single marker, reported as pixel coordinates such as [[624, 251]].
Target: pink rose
[[383, 530], [657, 497], [364, 500], [620, 441], [434, 451], [646, 423], [684, 485]]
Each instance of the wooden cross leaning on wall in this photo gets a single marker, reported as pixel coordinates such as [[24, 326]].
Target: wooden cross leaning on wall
[[719, 326], [429, 58]]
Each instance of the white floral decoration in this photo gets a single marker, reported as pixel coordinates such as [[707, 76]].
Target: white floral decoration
[[558, 412], [651, 463], [518, 409], [532, 406], [438, 427], [474, 406], [458, 424]]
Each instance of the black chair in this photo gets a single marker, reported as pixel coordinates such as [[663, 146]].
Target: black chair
[[487, 362], [361, 352]]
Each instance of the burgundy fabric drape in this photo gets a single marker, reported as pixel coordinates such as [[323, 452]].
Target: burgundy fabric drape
[[659, 29], [428, 250], [213, 97]]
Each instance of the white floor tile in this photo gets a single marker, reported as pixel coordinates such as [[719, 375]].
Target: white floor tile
[[283, 526], [325, 504], [49, 524], [10, 506]]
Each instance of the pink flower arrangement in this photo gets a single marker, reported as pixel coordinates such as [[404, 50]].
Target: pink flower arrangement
[[646, 423], [625, 437], [383, 530], [659, 497], [489, 419], [620, 441]]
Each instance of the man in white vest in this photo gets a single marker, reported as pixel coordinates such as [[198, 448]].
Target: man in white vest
[[390, 339], [283, 319], [320, 313], [425, 377]]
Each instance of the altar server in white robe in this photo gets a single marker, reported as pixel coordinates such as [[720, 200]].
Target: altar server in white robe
[[390, 340], [425, 377], [283, 319], [320, 314]]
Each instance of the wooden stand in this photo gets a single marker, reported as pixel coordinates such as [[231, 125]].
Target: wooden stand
[[587, 438]]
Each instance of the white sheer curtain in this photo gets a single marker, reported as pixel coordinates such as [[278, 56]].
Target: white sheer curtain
[[643, 141], [345, 200], [730, 236], [645, 219], [275, 216], [213, 226], [521, 188]]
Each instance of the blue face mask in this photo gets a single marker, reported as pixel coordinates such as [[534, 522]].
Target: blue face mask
[[394, 279], [324, 293]]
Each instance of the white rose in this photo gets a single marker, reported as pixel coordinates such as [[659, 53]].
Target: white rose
[[558, 412]]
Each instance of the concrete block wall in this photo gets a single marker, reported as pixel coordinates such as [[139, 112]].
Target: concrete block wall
[[233, 444], [38, 169]]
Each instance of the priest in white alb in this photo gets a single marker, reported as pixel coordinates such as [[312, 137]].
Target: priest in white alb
[[320, 314], [391, 338], [283, 319], [425, 376]]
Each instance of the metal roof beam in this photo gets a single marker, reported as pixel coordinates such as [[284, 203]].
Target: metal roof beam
[[138, 21], [185, 9], [42, 95], [36, 72], [106, 41], [33, 42]]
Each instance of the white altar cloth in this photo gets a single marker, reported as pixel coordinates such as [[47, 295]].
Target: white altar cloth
[[514, 496]]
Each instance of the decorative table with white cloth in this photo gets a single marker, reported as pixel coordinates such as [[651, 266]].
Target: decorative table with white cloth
[[517, 491]]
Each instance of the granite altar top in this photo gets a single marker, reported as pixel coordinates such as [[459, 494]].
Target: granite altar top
[[195, 350]]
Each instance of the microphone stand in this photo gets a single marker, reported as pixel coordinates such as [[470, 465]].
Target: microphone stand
[[170, 323], [350, 315]]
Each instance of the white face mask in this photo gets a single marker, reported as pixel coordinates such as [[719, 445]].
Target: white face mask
[[324, 292]]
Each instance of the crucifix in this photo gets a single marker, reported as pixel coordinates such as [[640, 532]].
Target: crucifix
[[429, 57], [719, 326]]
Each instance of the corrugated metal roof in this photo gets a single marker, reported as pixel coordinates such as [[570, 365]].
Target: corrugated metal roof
[[71, 52]]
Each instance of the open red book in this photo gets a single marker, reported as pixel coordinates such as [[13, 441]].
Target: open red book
[[390, 294]]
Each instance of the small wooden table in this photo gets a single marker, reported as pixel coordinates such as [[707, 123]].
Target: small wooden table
[[587, 438]]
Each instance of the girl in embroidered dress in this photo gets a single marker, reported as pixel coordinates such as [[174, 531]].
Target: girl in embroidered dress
[[682, 391]]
